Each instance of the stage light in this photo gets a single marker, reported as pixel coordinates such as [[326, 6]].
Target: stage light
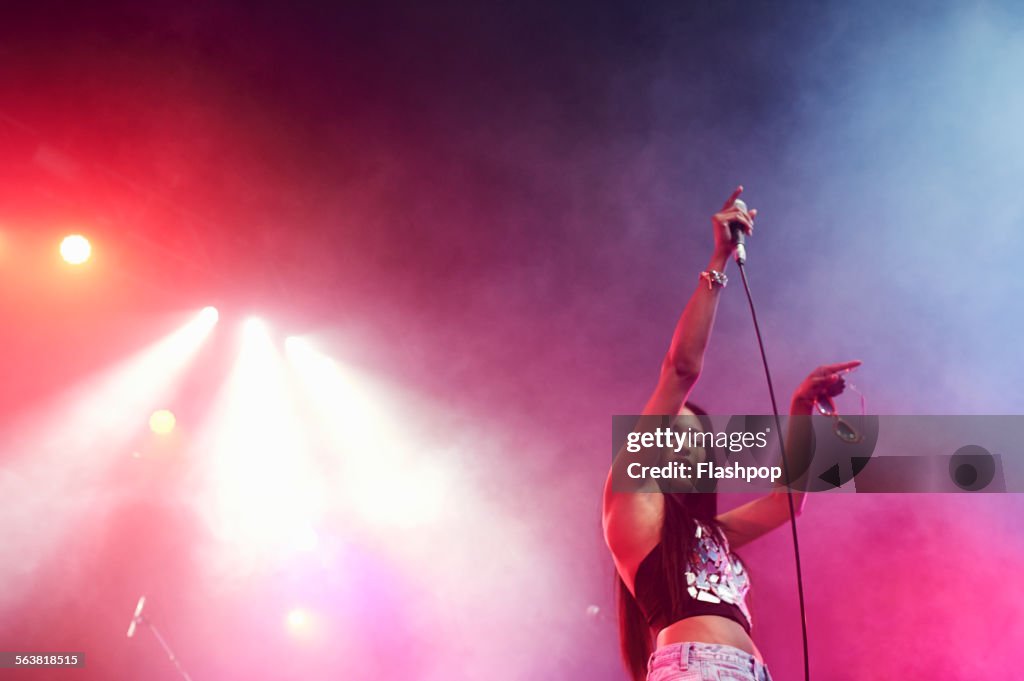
[[75, 249], [58, 453], [255, 327], [209, 315], [263, 491], [305, 627], [299, 622], [162, 421]]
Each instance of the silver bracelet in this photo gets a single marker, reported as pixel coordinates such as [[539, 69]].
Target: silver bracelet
[[714, 278]]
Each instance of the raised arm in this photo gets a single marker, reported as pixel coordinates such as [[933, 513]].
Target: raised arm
[[685, 358], [745, 523], [632, 521]]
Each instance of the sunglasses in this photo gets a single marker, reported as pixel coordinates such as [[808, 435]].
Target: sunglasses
[[840, 426]]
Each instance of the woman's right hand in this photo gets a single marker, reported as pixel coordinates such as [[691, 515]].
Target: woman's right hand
[[731, 213]]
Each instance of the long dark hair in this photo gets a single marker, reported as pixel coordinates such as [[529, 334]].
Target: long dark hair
[[677, 541]]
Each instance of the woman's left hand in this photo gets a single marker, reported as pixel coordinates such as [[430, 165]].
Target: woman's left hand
[[823, 383], [723, 220]]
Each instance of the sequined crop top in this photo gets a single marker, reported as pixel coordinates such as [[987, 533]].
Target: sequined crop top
[[716, 582]]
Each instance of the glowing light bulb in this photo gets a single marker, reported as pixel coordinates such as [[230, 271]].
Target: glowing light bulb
[[75, 249], [162, 421]]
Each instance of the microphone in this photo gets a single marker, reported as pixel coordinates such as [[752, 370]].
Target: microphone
[[137, 617], [739, 237]]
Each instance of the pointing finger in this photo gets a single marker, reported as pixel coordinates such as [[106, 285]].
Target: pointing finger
[[841, 366], [732, 199]]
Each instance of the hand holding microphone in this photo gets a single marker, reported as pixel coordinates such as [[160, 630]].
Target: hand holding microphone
[[732, 224]]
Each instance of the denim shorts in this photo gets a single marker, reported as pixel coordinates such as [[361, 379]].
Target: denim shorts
[[704, 662]]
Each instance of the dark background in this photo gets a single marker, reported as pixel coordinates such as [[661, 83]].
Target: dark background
[[499, 209]]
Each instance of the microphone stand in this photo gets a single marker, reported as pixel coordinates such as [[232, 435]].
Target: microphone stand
[[142, 619], [741, 262]]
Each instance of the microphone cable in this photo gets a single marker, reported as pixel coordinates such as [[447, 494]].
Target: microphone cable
[[785, 464]]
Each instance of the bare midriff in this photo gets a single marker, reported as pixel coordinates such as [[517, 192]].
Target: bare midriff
[[709, 629]]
